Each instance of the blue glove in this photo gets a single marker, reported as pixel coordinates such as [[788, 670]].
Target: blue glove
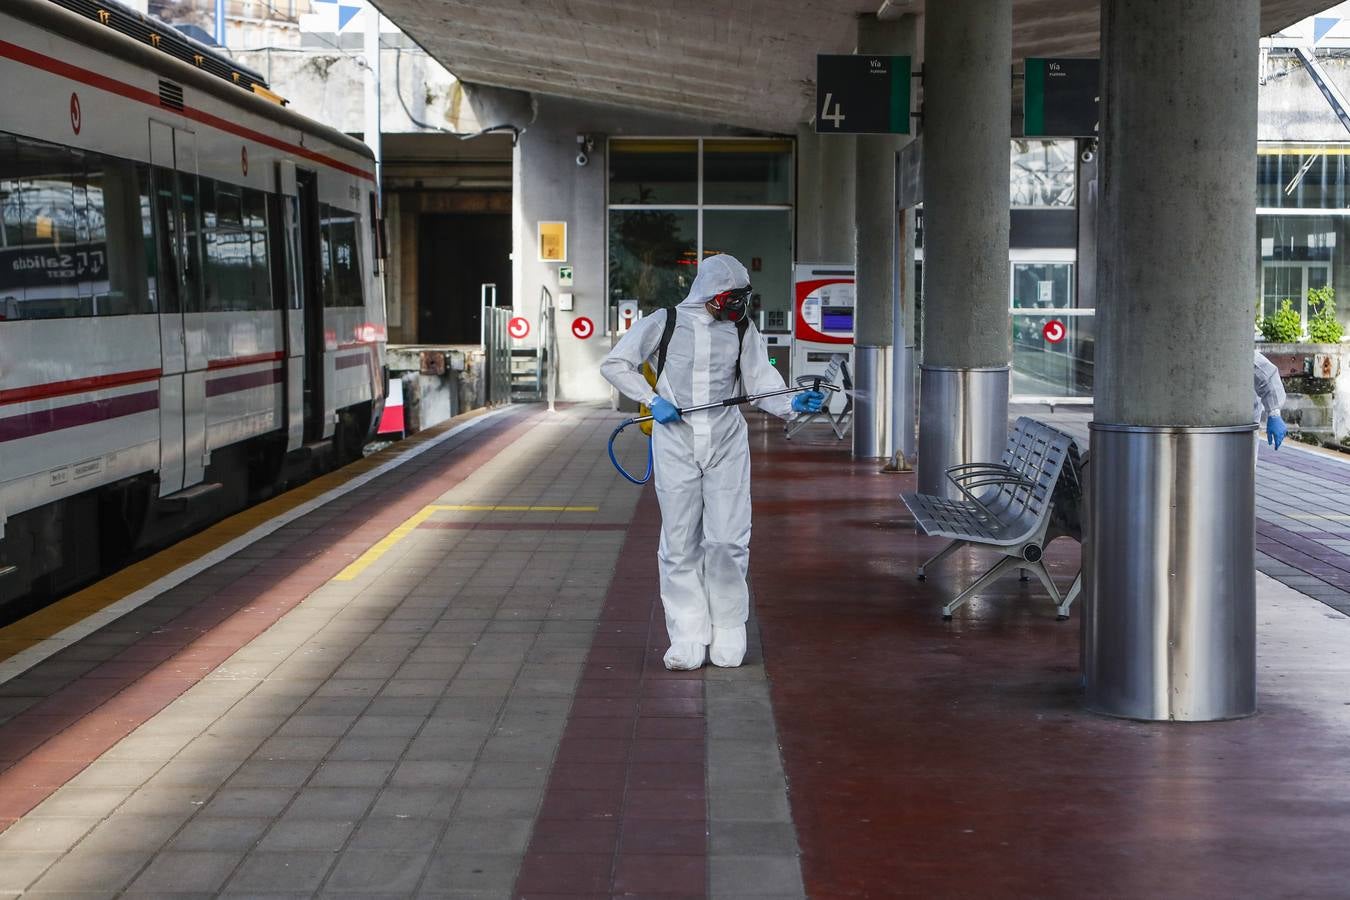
[[663, 410], [1275, 430], [808, 402]]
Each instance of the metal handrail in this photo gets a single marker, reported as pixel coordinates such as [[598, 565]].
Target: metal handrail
[[547, 354]]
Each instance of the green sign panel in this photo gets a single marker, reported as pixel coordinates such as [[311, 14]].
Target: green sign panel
[[858, 94], [1060, 99]]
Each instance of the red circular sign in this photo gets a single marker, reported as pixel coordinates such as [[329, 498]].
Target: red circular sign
[[1054, 331], [75, 112], [243, 158], [583, 327], [518, 327]]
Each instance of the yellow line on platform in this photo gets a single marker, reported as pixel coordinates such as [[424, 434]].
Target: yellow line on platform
[[409, 525]]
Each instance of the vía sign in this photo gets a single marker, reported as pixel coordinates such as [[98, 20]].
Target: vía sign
[[1060, 98], [858, 94]]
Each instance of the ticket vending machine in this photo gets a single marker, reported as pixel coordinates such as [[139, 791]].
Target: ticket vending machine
[[822, 321]]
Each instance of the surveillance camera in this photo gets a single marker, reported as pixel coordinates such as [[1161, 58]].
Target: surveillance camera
[[1089, 153], [582, 158]]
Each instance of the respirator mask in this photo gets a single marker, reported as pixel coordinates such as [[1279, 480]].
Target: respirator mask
[[730, 306]]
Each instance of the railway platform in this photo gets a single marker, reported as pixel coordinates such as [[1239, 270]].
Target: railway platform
[[437, 672]]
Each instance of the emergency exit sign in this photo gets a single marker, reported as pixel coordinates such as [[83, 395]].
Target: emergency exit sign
[[858, 94], [1060, 98]]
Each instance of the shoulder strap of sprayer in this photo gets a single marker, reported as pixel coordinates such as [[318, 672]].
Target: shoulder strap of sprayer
[[669, 330]]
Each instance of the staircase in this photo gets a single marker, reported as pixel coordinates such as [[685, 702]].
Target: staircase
[[526, 377]]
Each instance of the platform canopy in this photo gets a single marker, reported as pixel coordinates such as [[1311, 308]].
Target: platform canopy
[[747, 63]]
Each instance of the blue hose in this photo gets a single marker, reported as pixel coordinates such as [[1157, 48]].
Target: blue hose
[[622, 471]]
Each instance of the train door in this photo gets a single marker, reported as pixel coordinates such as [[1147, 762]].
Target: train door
[[293, 308], [317, 423], [182, 414]]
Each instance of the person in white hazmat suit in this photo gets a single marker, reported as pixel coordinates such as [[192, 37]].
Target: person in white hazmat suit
[[1269, 399], [702, 459]]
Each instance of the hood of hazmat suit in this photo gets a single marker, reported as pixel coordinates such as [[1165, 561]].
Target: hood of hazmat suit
[[702, 461]]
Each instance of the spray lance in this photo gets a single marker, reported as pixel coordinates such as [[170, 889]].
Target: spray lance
[[804, 383]]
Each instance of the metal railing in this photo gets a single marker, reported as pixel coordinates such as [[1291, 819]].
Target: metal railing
[[494, 322], [547, 360]]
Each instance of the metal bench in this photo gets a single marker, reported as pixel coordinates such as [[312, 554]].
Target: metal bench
[[837, 370], [1017, 506]]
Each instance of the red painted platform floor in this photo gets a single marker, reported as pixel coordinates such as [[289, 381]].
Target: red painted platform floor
[[933, 759]]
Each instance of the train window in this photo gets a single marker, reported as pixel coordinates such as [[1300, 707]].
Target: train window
[[234, 228], [344, 258], [326, 214], [71, 233], [191, 282]]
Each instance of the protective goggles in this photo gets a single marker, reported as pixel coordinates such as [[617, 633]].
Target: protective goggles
[[730, 306]]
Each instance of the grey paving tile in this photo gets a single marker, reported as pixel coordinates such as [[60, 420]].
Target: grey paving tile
[[509, 775], [272, 773], [289, 871], [411, 835], [249, 802], [367, 773], [18, 870], [431, 773], [356, 749], [749, 806], [376, 873], [45, 835], [332, 802], [499, 803], [419, 802], [221, 835], [752, 839], [186, 871], [69, 801], [755, 876], [471, 873], [123, 832], [472, 835], [293, 833], [81, 871]]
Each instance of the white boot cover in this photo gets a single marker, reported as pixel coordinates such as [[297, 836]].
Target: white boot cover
[[685, 656], [728, 646]]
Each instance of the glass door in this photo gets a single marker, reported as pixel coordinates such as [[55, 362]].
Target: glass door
[[1054, 341]]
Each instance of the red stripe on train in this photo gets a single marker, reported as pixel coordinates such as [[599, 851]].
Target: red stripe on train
[[75, 386], [35, 423], [113, 86]]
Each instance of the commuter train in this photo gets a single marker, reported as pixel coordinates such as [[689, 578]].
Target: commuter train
[[190, 309]]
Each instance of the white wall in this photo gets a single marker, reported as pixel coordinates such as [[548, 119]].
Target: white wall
[[550, 186]]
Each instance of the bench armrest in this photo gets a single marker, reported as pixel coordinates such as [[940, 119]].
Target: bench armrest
[[969, 476]]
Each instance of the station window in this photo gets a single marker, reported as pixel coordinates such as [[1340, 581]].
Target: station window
[[1043, 174], [674, 202], [72, 233]]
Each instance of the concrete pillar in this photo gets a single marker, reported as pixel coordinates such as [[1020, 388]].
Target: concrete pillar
[[824, 197], [1169, 581], [904, 383], [963, 401], [875, 255]]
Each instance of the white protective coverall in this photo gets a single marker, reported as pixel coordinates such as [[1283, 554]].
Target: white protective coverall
[[1270, 394], [702, 462]]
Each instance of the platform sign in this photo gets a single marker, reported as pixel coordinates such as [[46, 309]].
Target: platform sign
[[552, 242], [1054, 331], [582, 328], [1060, 98], [860, 94], [518, 328]]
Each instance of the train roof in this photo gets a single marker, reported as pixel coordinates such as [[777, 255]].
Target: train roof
[[164, 55], [167, 39]]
